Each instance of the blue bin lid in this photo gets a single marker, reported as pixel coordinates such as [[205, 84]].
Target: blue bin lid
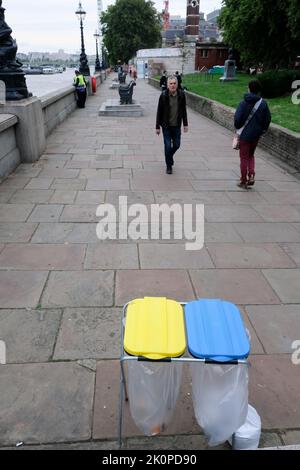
[[215, 330]]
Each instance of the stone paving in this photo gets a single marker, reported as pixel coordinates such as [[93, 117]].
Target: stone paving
[[62, 290]]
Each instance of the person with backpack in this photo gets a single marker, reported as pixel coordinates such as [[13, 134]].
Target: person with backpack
[[251, 120]]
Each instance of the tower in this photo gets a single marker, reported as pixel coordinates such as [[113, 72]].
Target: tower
[[166, 16], [192, 19]]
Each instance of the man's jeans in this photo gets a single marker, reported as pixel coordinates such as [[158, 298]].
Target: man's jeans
[[172, 137]]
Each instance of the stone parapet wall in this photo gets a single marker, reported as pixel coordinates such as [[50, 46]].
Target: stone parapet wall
[[9, 153], [56, 107], [279, 142]]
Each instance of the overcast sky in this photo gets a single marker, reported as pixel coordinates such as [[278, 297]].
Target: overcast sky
[[49, 25]]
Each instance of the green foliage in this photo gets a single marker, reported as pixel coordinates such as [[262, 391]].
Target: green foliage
[[263, 31], [130, 25], [277, 83]]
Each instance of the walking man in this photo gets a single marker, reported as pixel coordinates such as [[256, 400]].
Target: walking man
[[171, 112]]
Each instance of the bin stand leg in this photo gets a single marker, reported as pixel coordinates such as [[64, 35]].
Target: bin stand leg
[[121, 398], [124, 380], [120, 410]]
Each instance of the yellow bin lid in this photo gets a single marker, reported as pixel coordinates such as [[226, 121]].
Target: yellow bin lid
[[154, 328]]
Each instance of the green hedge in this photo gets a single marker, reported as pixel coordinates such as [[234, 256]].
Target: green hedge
[[277, 83]]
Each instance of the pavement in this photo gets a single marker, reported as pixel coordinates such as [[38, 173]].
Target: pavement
[[62, 290]]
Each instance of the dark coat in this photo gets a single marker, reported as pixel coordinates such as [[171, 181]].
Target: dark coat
[[258, 124], [163, 81], [163, 110]]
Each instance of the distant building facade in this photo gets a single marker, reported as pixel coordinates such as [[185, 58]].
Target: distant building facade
[[210, 54]]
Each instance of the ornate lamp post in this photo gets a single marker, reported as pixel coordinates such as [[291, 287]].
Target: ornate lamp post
[[97, 62], [84, 65], [11, 72]]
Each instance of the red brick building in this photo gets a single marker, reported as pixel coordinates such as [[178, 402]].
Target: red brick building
[[210, 54]]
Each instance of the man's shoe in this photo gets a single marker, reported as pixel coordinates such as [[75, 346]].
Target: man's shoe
[[169, 170]]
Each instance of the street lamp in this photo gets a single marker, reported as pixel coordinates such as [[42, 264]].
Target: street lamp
[[97, 62], [11, 73], [84, 65]]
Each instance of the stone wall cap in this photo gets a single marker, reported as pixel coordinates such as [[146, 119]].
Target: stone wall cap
[[7, 121], [50, 98]]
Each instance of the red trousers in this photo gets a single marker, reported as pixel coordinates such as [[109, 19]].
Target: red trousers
[[247, 159]]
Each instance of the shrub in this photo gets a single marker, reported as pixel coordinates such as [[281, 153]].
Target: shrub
[[277, 83]]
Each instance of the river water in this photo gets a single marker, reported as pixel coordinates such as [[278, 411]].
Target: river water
[[40, 85]]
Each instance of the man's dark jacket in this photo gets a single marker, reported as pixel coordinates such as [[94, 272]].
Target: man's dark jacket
[[163, 110], [163, 81], [258, 124]]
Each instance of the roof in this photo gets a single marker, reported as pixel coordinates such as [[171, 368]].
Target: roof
[[162, 52]]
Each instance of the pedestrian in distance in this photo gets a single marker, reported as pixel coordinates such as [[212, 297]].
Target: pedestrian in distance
[[171, 113], [179, 79], [80, 85], [251, 120], [163, 81]]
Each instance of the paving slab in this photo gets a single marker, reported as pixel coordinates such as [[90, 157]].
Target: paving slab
[[6, 194], [274, 383], [42, 257], [39, 183], [65, 233], [46, 213], [278, 213], [240, 286], [27, 169], [160, 183], [231, 213], [107, 184], [234, 255], [223, 232], [278, 326], [267, 232], [111, 256], [89, 333], [132, 284], [293, 251], [90, 197], [45, 403], [285, 283], [19, 289], [168, 256], [133, 197], [78, 289], [14, 181], [16, 232], [291, 437], [78, 213], [33, 196], [15, 212], [34, 340], [63, 184], [191, 197], [63, 197]]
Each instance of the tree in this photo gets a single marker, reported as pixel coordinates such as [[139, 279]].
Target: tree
[[266, 31], [130, 25]]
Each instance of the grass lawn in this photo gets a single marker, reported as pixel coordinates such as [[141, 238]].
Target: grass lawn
[[284, 112]]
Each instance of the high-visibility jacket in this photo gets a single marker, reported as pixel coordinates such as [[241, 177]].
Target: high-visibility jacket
[[79, 81]]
